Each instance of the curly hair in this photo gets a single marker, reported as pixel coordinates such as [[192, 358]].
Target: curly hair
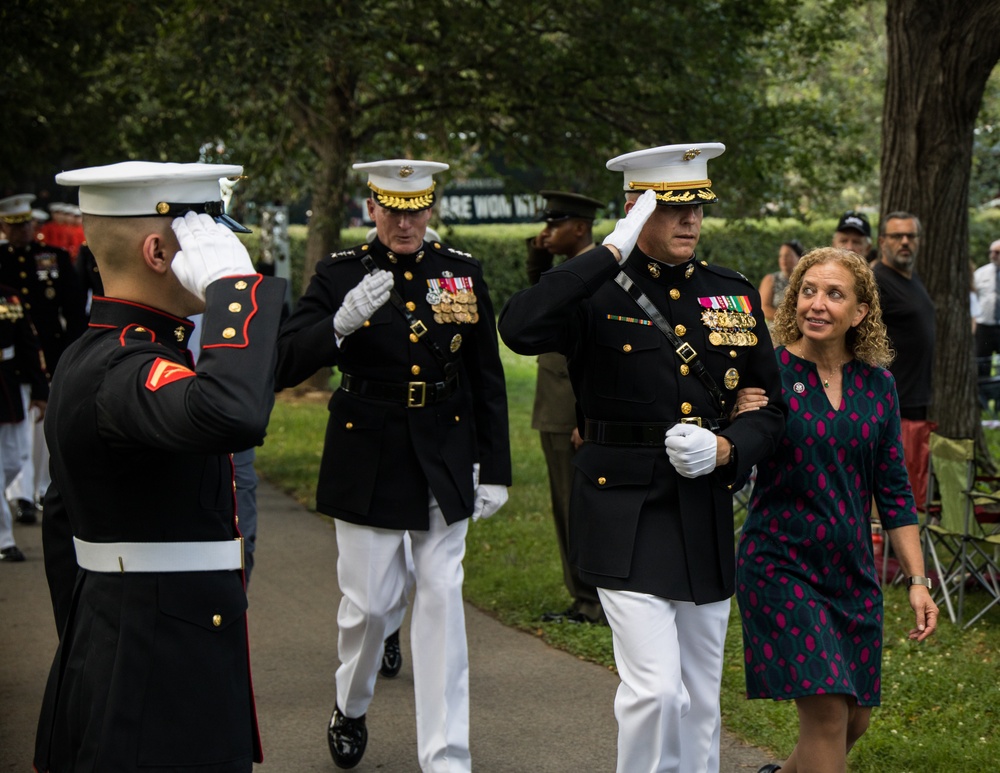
[[868, 341]]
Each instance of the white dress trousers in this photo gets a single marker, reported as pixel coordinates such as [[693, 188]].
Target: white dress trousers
[[33, 480], [374, 580], [10, 463], [669, 656]]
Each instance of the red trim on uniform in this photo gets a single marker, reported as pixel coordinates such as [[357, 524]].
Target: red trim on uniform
[[166, 372], [134, 326], [246, 323]]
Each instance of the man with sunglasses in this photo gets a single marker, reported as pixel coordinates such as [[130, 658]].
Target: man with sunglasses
[[908, 314]]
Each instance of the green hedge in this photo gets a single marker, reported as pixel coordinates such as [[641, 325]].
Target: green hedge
[[748, 246]]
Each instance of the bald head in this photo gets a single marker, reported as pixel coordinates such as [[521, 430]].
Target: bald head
[[117, 242]]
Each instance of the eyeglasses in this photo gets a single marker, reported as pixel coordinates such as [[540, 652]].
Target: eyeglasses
[[899, 237]]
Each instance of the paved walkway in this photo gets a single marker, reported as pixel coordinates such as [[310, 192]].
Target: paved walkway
[[533, 708]]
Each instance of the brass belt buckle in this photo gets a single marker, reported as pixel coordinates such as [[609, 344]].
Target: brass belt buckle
[[418, 328], [415, 388], [686, 352], [691, 420]]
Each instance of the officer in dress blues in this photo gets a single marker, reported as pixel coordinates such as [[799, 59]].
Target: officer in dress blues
[[658, 342], [46, 283], [142, 545], [416, 444], [20, 357]]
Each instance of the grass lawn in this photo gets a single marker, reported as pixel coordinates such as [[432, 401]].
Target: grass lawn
[[940, 700]]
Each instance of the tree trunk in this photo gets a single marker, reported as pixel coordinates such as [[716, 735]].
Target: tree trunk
[[940, 55]]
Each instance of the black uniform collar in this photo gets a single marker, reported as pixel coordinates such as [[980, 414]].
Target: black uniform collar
[[167, 329], [383, 253], [641, 266]]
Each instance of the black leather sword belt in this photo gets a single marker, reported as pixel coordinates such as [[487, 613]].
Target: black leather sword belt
[[622, 433], [412, 394]]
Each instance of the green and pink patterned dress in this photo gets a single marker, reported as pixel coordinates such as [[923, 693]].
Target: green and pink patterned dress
[[806, 579]]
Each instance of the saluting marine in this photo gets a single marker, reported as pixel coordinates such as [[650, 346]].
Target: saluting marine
[[657, 343], [143, 552], [416, 443]]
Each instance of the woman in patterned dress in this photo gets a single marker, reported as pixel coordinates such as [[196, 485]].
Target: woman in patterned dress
[[806, 581]]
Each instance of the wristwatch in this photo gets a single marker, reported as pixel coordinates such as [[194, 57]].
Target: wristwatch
[[917, 580]]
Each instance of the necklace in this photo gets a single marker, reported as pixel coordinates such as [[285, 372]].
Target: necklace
[[826, 381]]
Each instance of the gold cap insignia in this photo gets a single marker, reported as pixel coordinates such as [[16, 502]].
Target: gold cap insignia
[[405, 171]]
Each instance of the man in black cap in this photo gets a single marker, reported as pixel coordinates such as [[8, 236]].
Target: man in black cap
[[853, 233], [568, 231], [417, 445], [657, 344], [143, 553]]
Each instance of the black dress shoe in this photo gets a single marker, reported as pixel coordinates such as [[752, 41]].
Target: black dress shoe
[[769, 769], [557, 617], [26, 511], [347, 738], [392, 658], [12, 554]]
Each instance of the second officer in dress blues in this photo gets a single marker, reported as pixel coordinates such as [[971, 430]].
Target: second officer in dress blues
[[657, 343], [416, 443]]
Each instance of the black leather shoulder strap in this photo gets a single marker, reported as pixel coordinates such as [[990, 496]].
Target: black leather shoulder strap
[[683, 350]]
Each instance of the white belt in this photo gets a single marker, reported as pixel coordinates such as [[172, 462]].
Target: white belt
[[159, 556], [7, 354]]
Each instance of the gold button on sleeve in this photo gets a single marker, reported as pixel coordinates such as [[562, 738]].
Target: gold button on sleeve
[[349, 425], [216, 620], [236, 307], [366, 323], [686, 408], [627, 348], [601, 481], [229, 333]]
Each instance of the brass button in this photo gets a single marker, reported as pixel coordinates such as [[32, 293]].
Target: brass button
[[704, 263], [675, 293], [236, 520], [680, 330], [216, 620], [229, 333], [627, 348], [235, 307], [414, 338], [415, 370], [366, 323], [686, 408], [349, 425], [685, 370], [162, 208], [601, 481], [410, 305], [140, 329], [241, 285], [407, 275], [23, 275], [732, 353], [458, 419]]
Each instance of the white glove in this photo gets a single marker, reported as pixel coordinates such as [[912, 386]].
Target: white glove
[[691, 449], [361, 302], [627, 230], [490, 497], [209, 251]]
